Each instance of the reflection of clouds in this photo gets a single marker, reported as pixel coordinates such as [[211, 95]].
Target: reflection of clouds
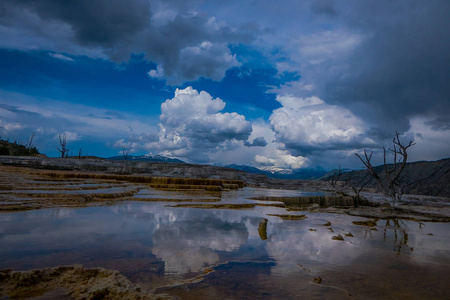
[[186, 239], [290, 245], [167, 215], [62, 213], [189, 239], [180, 259], [6, 218], [290, 248], [187, 246], [163, 215]]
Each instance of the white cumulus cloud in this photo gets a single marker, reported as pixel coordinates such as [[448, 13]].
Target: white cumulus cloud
[[192, 125], [280, 160], [305, 125]]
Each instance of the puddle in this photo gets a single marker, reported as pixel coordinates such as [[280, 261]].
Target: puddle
[[261, 252]]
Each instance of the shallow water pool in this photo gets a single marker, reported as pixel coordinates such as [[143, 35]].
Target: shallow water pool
[[233, 252]]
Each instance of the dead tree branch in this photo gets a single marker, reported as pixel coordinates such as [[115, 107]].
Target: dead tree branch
[[357, 185], [341, 180], [125, 152], [63, 148], [334, 179], [80, 152], [29, 144], [390, 179]]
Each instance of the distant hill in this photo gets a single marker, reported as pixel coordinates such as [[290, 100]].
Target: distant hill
[[422, 178], [305, 174], [332, 172], [147, 157]]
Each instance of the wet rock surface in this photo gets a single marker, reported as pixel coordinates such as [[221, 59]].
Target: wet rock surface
[[346, 222], [25, 188], [321, 201], [357, 206], [70, 282], [157, 169], [289, 217]]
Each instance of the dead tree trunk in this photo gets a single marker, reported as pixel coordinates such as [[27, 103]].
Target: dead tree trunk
[[334, 180], [29, 144], [63, 149], [125, 152], [389, 179], [341, 181], [80, 152]]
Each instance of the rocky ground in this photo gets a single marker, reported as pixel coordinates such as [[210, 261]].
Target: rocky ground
[[28, 183], [70, 282], [157, 169], [36, 182]]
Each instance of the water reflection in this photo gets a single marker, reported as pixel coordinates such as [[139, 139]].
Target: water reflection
[[190, 245], [396, 232], [151, 243]]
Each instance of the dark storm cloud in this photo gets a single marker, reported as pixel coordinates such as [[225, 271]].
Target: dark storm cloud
[[258, 142], [324, 7], [165, 32], [401, 67], [212, 132], [189, 47], [304, 149], [441, 123], [18, 111], [99, 22]]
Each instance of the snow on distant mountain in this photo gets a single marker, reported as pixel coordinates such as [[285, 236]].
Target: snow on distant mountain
[[287, 174], [148, 157]]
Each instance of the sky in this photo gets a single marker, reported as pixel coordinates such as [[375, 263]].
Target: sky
[[279, 85]]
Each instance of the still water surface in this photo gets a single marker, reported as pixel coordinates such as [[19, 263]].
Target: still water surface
[[155, 245]]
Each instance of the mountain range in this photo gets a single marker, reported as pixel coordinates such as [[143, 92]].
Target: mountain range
[[147, 157], [294, 174], [306, 174]]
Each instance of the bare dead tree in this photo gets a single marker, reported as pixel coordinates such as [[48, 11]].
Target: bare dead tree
[[334, 179], [336, 183], [125, 152], [63, 148], [357, 189], [80, 151], [357, 182], [389, 180], [30, 141], [340, 181]]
